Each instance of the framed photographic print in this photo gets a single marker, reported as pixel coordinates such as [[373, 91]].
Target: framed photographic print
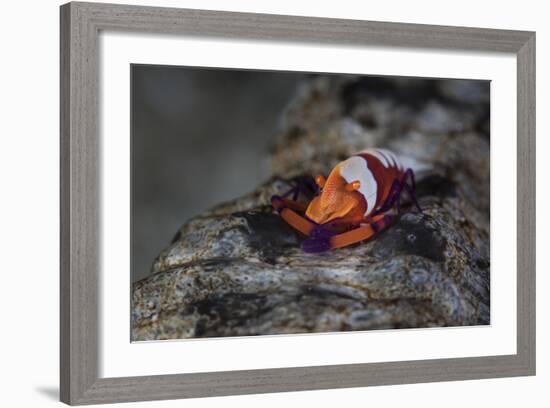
[[259, 203]]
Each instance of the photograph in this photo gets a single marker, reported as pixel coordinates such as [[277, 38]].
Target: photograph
[[277, 202], [274, 204]]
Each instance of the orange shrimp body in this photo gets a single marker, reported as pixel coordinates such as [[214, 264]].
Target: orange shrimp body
[[355, 198], [356, 187]]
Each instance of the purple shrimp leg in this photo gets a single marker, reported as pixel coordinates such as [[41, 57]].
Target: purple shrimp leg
[[394, 196], [411, 189], [395, 191], [319, 240], [302, 185]]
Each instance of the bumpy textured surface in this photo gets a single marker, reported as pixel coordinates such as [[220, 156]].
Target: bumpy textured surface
[[238, 268]]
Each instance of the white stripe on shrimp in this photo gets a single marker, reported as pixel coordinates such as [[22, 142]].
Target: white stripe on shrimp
[[388, 155], [393, 157], [356, 169], [383, 159]]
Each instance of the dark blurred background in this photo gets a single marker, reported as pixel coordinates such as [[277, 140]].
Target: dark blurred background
[[199, 136]]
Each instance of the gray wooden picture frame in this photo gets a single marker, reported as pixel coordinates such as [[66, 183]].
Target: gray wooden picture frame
[[80, 235]]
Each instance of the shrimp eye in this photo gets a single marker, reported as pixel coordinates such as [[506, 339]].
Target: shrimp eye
[[320, 180], [354, 185]]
